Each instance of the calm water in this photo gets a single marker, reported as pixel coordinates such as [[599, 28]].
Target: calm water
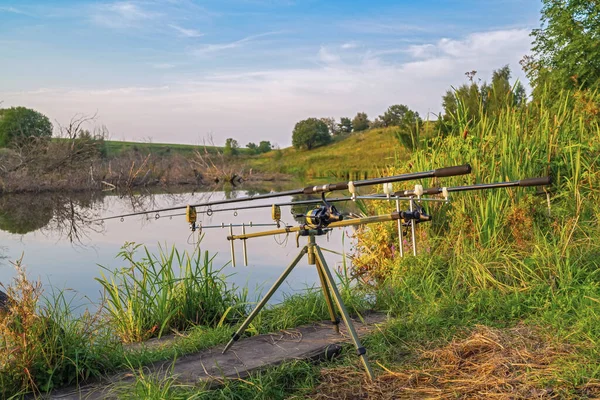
[[62, 248]]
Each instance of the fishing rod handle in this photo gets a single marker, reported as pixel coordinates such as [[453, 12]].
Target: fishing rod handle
[[438, 173], [452, 171], [541, 181]]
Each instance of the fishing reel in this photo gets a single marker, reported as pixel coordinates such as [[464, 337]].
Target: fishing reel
[[417, 214], [320, 217]]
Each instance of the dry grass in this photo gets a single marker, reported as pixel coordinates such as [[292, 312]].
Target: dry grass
[[517, 363]]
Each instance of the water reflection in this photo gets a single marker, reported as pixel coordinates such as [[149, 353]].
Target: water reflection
[[63, 242]]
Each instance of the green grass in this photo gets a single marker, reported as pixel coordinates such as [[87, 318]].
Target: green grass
[[115, 148], [352, 156], [171, 291]]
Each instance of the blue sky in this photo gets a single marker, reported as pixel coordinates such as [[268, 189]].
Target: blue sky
[[181, 70]]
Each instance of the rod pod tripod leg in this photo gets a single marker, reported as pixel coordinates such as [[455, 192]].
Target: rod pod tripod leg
[[324, 285], [265, 299], [360, 350], [315, 256]]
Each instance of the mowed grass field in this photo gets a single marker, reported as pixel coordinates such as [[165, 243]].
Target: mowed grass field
[[115, 148]]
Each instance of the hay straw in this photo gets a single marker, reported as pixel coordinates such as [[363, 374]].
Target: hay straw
[[487, 364]]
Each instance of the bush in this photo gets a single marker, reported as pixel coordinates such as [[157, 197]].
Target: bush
[[310, 133], [19, 125]]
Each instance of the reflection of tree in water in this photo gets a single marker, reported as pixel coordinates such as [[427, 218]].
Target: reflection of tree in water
[[71, 216], [21, 214]]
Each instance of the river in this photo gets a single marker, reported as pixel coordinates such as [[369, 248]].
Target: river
[[62, 246]]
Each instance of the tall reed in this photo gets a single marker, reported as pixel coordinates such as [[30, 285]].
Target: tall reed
[[171, 291], [509, 238]]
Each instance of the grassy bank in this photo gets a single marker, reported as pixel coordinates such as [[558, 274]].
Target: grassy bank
[[503, 299], [344, 158], [45, 343], [94, 164]]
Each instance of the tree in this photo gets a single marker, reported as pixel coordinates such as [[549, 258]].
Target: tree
[[376, 123], [333, 127], [565, 47], [394, 115], [360, 122], [345, 125], [18, 125], [252, 148], [264, 146], [409, 126], [231, 147], [310, 133], [471, 101]]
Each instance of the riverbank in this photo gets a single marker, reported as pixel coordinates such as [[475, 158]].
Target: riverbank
[[87, 164], [440, 339]]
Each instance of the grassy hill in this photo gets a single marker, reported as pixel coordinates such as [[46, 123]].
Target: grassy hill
[[355, 155]]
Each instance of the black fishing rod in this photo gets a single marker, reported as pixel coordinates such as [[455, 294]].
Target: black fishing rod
[[330, 187], [541, 181]]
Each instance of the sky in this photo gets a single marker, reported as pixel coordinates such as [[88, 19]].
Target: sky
[[183, 71]]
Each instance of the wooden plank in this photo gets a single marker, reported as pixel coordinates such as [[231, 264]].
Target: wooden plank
[[312, 342]]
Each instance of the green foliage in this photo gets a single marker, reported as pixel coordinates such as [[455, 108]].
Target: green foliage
[[397, 115], [485, 235], [472, 102], [334, 128], [565, 47], [172, 291], [407, 121], [361, 122], [376, 123], [44, 344], [231, 147], [264, 146], [345, 125], [343, 158], [310, 133], [252, 147], [19, 125]]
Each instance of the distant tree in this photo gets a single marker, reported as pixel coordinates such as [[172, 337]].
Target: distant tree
[[333, 127], [310, 133], [18, 125], [345, 125], [409, 128], [231, 147], [394, 115], [565, 47], [252, 148], [376, 123], [264, 146], [360, 122]]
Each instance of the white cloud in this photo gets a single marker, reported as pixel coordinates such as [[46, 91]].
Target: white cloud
[[216, 47], [122, 14], [327, 57], [265, 104], [12, 10], [188, 33], [349, 45]]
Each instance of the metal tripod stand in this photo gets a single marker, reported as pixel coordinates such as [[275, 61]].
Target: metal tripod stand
[[315, 257]]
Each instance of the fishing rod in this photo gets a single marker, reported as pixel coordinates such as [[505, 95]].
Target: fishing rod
[[419, 191], [329, 187], [323, 218]]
